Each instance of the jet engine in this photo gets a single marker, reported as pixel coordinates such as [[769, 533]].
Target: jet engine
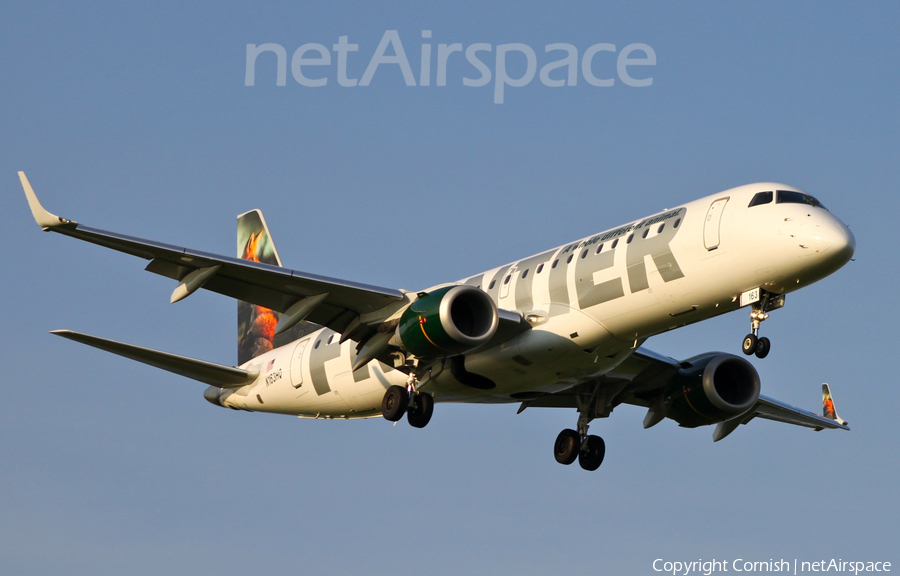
[[714, 387], [448, 321]]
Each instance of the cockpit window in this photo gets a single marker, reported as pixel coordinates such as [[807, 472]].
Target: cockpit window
[[761, 198], [791, 197]]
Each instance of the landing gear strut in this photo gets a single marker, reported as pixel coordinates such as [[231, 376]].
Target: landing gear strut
[[753, 343], [417, 406]]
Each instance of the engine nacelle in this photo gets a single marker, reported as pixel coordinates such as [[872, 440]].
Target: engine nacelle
[[448, 321], [714, 388]]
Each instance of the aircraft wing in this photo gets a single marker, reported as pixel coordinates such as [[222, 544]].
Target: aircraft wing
[[772, 409], [338, 304], [649, 369], [646, 371]]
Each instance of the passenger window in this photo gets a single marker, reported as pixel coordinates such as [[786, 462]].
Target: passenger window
[[584, 253], [599, 248], [555, 262], [317, 343], [569, 259], [677, 222], [525, 273], [647, 231], [615, 243], [761, 198], [506, 280], [330, 338], [630, 238], [661, 226], [491, 287], [541, 267]]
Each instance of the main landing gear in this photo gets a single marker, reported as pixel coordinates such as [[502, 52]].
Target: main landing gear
[[753, 343], [589, 450], [418, 406]]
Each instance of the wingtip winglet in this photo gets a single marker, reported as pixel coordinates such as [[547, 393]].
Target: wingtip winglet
[[828, 409], [46, 220]]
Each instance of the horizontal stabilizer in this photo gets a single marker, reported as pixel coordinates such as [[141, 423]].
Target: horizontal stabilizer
[[206, 372]]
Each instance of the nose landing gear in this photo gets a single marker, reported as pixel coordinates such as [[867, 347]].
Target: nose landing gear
[[753, 343]]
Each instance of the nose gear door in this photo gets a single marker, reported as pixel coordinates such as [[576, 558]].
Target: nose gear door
[[711, 225]]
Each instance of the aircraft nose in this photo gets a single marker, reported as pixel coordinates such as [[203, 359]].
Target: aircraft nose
[[838, 241]]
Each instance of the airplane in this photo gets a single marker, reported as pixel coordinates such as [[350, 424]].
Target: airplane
[[563, 329]]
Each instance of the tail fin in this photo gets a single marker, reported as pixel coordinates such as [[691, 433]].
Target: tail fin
[[256, 325], [828, 406]]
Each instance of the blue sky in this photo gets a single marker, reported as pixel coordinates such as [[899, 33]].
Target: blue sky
[[136, 118]]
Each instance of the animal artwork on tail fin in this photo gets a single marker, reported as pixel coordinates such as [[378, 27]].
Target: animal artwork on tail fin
[[256, 325]]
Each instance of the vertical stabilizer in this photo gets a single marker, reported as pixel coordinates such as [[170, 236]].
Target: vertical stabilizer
[[256, 325]]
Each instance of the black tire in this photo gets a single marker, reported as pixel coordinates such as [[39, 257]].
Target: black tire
[[566, 448], [748, 346], [592, 456], [423, 408], [393, 406], [763, 345]]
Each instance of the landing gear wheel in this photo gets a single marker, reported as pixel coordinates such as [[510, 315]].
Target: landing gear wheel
[[748, 346], [591, 456], [762, 347], [423, 408], [566, 448], [394, 404]]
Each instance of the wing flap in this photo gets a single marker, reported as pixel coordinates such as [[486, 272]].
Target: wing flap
[[206, 372]]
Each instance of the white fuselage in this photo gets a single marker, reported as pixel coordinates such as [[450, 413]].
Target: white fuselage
[[590, 303]]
